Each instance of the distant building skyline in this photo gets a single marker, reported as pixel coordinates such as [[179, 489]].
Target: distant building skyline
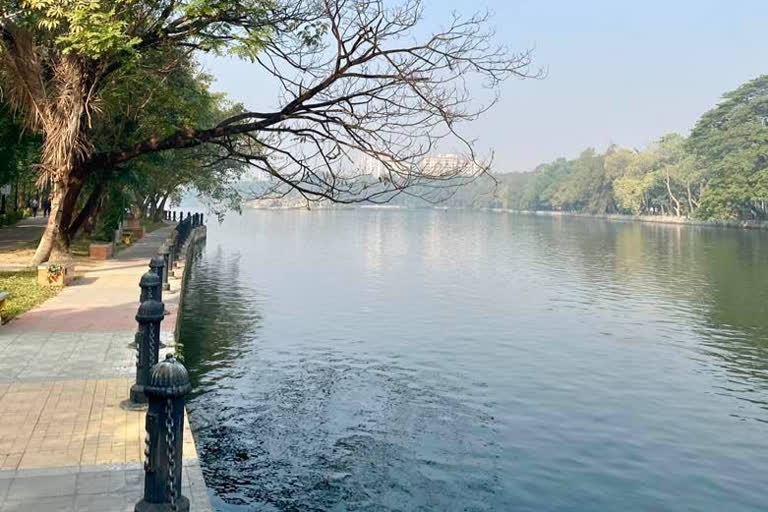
[[438, 164], [448, 164]]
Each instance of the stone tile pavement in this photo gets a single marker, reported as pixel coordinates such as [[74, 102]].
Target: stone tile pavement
[[93, 488], [72, 423], [35, 355], [68, 440]]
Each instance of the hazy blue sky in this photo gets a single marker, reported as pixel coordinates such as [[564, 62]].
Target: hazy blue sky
[[618, 71]]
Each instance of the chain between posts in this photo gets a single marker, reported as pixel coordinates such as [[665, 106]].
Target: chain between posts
[[152, 348], [170, 439]]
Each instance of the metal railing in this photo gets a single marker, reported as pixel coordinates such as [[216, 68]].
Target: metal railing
[[162, 385]]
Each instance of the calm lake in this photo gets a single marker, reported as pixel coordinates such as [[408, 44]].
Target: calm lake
[[429, 360]]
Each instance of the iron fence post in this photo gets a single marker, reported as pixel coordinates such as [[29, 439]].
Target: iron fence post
[[157, 265], [149, 316], [164, 441], [165, 253], [149, 284]]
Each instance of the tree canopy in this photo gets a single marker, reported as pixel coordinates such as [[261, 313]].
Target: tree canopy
[[731, 143], [358, 78], [719, 172]]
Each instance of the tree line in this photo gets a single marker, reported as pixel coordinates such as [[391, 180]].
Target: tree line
[[720, 171]]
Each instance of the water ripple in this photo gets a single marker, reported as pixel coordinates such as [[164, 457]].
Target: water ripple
[[422, 360]]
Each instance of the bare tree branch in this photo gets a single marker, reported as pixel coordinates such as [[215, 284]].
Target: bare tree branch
[[369, 90]]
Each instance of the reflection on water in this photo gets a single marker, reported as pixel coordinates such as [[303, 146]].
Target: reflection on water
[[433, 360]]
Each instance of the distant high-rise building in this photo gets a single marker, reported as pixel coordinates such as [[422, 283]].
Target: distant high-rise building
[[448, 165], [371, 167], [434, 165]]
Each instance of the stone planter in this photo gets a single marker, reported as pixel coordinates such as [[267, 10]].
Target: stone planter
[[100, 251], [55, 274]]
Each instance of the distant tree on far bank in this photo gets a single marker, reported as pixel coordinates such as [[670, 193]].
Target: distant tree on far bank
[[719, 172], [731, 143]]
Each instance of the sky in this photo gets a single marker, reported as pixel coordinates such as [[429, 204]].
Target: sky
[[617, 71]]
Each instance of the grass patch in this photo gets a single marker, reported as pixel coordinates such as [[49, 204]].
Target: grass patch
[[24, 292]]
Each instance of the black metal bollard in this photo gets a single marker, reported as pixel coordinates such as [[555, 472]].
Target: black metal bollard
[[171, 258], [157, 265], [173, 250], [165, 253], [150, 285], [168, 384], [189, 214], [174, 216], [149, 316], [201, 219]]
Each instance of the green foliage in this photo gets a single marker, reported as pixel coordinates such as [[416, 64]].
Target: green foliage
[[587, 187], [731, 143], [153, 97], [541, 189], [19, 150], [110, 216], [170, 100], [11, 218], [92, 28], [115, 28], [719, 172]]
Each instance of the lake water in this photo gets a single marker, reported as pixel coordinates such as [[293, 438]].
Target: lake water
[[384, 360]]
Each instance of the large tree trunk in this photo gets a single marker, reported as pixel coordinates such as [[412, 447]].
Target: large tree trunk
[[160, 208], [88, 208], [55, 240], [692, 204], [672, 197]]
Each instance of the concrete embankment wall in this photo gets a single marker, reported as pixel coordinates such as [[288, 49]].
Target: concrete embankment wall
[[657, 219], [196, 237]]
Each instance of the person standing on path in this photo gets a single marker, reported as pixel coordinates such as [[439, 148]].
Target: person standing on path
[[46, 206], [34, 205]]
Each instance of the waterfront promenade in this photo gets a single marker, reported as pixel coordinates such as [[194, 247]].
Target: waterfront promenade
[[67, 440]]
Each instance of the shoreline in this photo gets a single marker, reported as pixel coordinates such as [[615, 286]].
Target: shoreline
[[650, 219], [614, 217]]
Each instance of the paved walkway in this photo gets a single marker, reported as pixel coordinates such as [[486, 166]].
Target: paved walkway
[[25, 231], [66, 440]]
